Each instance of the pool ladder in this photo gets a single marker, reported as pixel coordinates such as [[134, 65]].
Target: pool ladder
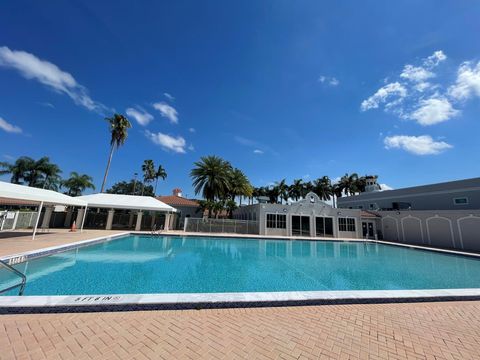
[[18, 273]]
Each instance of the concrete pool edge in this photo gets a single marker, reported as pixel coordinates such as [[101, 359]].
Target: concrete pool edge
[[128, 302]]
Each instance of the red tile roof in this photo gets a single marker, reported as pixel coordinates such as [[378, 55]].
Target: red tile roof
[[177, 200], [369, 214]]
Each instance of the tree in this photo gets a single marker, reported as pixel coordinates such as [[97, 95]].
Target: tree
[[37, 173], [239, 185], [296, 190], [160, 174], [126, 188], [230, 206], [348, 183], [19, 169], [211, 178], [282, 190], [119, 126], [76, 184], [323, 188], [148, 169]]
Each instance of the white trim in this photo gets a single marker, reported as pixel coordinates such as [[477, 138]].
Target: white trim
[[471, 216], [449, 224], [403, 228]]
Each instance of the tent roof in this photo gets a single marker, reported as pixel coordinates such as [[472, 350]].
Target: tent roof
[[117, 201], [25, 194]]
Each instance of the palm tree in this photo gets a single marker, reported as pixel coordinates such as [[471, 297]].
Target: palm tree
[[76, 184], [282, 190], [211, 178], [323, 188], [160, 174], [19, 169], [230, 206], [273, 192], [119, 126], [239, 185], [348, 183], [148, 169], [296, 189]]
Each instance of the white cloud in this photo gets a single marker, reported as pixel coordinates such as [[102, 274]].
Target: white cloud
[[467, 83], [382, 94], [169, 97], [31, 67], [433, 111], [385, 187], [258, 151], [192, 130], [436, 58], [167, 111], [416, 73], [167, 142], [418, 145], [330, 80], [10, 128], [140, 116]]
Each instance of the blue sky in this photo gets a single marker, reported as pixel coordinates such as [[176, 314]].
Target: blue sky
[[282, 89]]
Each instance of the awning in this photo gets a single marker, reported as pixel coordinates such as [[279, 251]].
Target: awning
[[131, 202], [25, 194]]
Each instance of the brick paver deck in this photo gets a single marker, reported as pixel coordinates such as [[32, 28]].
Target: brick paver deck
[[449, 330]]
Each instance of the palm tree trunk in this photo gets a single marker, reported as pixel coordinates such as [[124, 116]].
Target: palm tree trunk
[[108, 168], [143, 187], [156, 183]]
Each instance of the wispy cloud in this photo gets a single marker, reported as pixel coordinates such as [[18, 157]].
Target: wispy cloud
[[47, 104], [48, 74], [192, 130], [169, 97], [167, 111], [140, 115], [414, 96], [467, 83], [417, 145], [329, 80], [10, 128], [256, 146], [176, 144], [258, 151]]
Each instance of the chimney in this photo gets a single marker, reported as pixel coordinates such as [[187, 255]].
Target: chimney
[[177, 192]]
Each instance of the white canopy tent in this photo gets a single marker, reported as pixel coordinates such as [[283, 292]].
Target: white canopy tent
[[132, 202], [128, 202], [35, 196]]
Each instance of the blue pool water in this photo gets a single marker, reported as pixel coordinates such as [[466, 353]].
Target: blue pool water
[[145, 264]]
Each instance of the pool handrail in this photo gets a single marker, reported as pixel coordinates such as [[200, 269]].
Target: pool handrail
[[18, 273]]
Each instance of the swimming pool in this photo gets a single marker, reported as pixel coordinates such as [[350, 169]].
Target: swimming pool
[[137, 264]]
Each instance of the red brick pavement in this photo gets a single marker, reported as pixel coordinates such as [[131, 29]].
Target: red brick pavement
[[448, 330]]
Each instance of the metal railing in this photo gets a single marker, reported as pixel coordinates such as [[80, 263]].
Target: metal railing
[[221, 226], [18, 273]]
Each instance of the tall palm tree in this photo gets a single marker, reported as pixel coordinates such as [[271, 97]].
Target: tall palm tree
[[348, 183], [119, 126], [296, 189], [282, 190], [19, 169], [160, 174], [239, 185], [211, 178], [76, 184], [323, 188], [148, 169]]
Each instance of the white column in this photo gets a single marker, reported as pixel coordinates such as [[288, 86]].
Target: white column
[[68, 217], [110, 219], [36, 221], [81, 218], [167, 222], [138, 225], [47, 216]]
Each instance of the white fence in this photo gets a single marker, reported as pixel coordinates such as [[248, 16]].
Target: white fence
[[11, 220], [221, 226]]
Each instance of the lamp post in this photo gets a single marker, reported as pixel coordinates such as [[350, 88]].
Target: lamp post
[[134, 182]]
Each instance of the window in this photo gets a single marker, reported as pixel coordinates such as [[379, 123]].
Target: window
[[346, 224], [461, 201], [276, 221], [372, 206]]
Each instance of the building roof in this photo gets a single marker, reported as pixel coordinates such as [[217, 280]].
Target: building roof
[[9, 193], [178, 201], [368, 214], [133, 202]]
